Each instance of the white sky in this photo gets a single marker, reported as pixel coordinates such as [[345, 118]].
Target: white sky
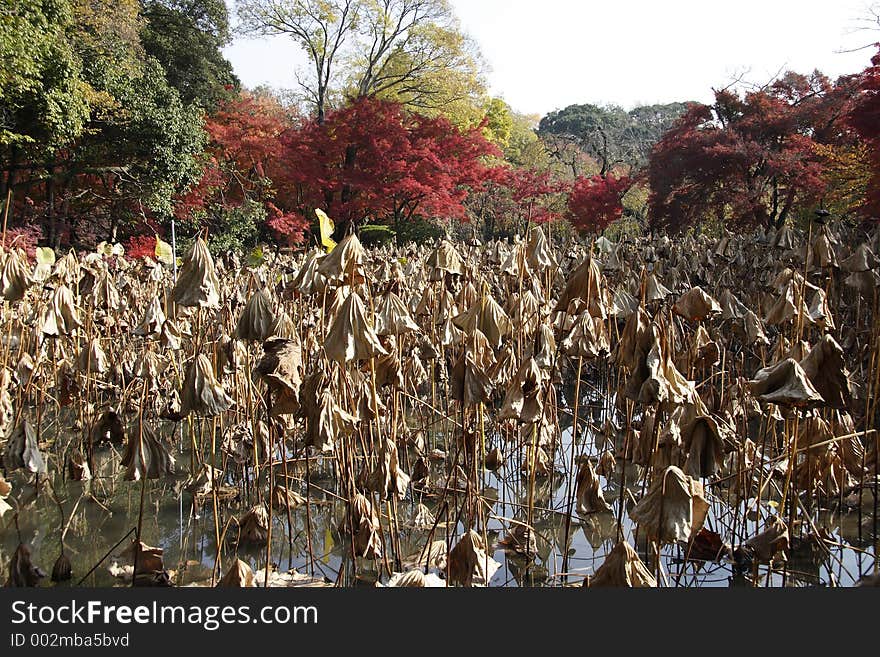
[[545, 55]]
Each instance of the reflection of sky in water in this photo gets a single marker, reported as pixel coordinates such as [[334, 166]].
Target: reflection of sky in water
[[187, 533]]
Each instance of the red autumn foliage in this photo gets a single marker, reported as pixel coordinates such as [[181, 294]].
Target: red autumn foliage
[[595, 201], [140, 246], [25, 238], [371, 160], [751, 159], [245, 144], [865, 118]]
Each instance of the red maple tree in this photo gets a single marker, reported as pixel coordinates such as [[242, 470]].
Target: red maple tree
[[865, 118], [373, 161], [596, 201], [750, 159]]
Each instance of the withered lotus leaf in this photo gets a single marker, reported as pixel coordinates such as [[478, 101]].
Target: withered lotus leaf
[[152, 320], [257, 319], [15, 278], [444, 260], [361, 522], [77, 467], [524, 400], [284, 498], [387, 478], [326, 420], [351, 336], [202, 393], [826, 370], [254, 526], [585, 283], [786, 384], [469, 562], [673, 509], [22, 571], [280, 369], [392, 316], [146, 457], [108, 428], [487, 317], [468, 383], [423, 518], [770, 542], [92, 358], [205, 480], [862, 259], [60, 316], [63, 569], [696, 305], [588, 491], [147, 560], [623, 568], [343, 263], [197, 283], [494, 459], [655, 290], [411, 578], [239, 575], [22, 450], [519, 540], [704, 442], [538, 251]]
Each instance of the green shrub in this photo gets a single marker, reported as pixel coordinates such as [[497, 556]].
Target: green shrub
[[375, 235]]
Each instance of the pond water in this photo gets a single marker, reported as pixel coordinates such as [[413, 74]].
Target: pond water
[[99, 513]]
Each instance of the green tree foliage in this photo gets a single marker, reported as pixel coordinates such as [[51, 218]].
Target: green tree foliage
[[187, 37], [42, 100], [408, 51], [609, 135], [101, 139]]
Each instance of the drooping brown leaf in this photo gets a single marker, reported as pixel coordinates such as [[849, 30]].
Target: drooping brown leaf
[[469, 562], [22, 571], [257, 319], [673, 509], [280, 368], [351, 336], [202, 393], [146, 457], [239, 575], [786, 384], [22, 450], [622, 568], [197, 283]]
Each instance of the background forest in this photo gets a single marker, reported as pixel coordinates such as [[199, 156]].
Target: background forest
[[118, 115]]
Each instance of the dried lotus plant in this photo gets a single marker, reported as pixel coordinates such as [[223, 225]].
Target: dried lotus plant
[[673, 509], [202, 393], [588, 491], [257, 319], [469, 563], [146, 456], [622, 568], [362, 524], [197, 283], [351, 336], [23, 451], [22, 571], [280, 368], [239, 575]]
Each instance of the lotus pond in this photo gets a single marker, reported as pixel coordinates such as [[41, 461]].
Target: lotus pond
[[674, 413]]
